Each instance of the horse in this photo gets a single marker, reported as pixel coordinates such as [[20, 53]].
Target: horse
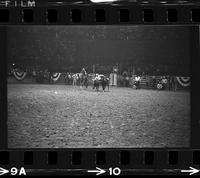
[[83, 80]]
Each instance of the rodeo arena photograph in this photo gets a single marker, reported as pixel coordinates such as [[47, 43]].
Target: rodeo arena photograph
[[106, 86]]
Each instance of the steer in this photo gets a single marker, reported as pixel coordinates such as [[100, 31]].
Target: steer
[[100, 80]]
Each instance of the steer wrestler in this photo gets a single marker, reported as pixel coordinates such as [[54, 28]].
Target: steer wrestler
[[105, 82], [96, 82]]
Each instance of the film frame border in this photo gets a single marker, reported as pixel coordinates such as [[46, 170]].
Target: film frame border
[[79, 161], [153, 161], [91, 14]]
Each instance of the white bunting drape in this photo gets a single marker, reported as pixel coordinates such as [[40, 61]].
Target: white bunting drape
[[55, 76], [19, 75], [183, 81]]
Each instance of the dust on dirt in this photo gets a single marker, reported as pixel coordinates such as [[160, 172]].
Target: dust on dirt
[[63, 116]]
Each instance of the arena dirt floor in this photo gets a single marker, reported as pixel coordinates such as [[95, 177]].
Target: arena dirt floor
[[63, 116]]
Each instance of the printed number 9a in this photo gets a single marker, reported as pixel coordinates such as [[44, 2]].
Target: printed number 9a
[[14, 171]]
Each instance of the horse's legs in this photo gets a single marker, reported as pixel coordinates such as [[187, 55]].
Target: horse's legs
[[94, 85], [80, 84], [98, 87], [86, 84], [103, 87]]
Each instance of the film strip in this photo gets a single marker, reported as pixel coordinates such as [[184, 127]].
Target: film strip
[[101, 161], [117, 162], [101, 14]]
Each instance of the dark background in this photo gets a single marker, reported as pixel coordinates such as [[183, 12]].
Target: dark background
[[61, 48]]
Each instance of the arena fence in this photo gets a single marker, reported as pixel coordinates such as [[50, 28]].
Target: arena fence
[[146, 81], [172, 82]]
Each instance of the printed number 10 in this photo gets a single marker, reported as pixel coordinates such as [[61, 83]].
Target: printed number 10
[[115, 171]]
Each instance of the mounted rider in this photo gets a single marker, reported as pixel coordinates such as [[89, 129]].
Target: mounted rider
[[83, 72], [83, 78]]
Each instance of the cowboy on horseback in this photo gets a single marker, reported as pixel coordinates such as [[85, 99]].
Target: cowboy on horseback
[[83, 72], [84, 78]]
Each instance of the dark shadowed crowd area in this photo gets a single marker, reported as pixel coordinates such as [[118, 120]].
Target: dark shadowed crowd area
[[153, 50]]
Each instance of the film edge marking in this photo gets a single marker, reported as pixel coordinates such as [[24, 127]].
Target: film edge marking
[[98, 171], [3, 171], [191, 170]]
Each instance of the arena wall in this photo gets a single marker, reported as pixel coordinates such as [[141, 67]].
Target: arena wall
[[145, 83]]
